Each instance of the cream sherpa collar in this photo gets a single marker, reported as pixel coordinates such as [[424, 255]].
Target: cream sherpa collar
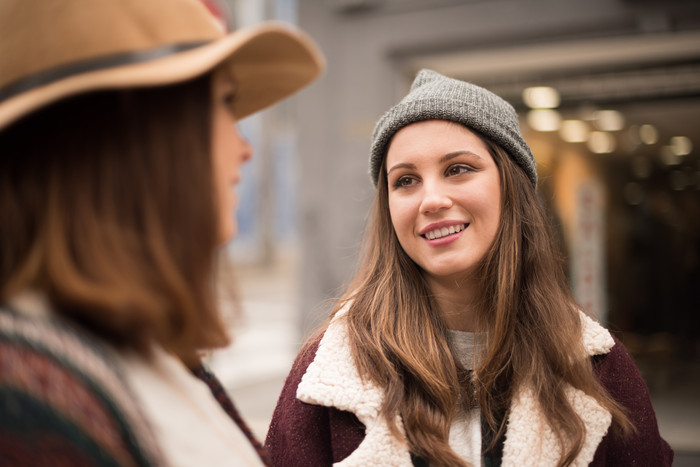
[[332, 380]]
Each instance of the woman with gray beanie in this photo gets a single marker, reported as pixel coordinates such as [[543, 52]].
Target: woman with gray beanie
[[459, 341]]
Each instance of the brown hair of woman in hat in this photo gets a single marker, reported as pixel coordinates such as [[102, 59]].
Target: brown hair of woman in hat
[[119, 159], [458, 341]]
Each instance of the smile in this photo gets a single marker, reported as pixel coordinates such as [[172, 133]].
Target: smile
[[444, 231]]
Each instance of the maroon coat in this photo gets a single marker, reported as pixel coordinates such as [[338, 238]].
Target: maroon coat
[[303, 434]]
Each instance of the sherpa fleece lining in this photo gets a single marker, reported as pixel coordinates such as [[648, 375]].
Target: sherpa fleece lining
[[332, 380]]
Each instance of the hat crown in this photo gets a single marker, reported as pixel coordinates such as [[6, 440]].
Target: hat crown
[[41, 35], [424, 76]]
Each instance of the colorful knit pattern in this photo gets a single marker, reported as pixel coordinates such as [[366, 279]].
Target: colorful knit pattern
[[62, 403]]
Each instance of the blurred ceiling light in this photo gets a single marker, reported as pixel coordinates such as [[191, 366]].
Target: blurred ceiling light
[[609, 120], [574, 131], [601, 142], [544, 120], [541, 97], [641, 167], [681, 145], [669, 157], [648, 134]]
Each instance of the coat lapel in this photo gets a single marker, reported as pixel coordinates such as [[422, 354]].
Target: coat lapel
[[529, 439], [531, 442], [332, 380]]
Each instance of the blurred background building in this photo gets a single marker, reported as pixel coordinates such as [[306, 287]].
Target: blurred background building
[[609, 97]]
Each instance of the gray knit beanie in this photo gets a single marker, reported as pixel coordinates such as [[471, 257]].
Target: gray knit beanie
[[437, 97]]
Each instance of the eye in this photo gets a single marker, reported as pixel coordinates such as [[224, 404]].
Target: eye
[[229, 97], [403, 182], [458, 169]]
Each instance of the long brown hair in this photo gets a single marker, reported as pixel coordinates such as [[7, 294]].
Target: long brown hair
[[109, 209], [399, 340]]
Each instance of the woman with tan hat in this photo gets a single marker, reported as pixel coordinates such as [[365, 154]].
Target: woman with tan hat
[[118, 158]]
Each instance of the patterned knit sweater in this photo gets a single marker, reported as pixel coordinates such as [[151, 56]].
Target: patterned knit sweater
[[64, 402]]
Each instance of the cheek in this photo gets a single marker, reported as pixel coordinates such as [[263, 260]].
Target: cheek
[[394, 214], [492, 206], [401, 220]]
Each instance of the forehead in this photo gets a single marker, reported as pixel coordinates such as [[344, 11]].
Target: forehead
[[434, 136]]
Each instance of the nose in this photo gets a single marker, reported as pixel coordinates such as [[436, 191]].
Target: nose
[[247, 150], [435, 198]]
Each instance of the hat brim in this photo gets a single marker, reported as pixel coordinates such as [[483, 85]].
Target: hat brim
[[267, 63]]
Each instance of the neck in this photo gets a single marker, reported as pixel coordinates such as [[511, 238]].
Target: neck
[[455, 300]]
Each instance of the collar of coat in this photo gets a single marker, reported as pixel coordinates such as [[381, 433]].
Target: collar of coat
[[332, 380]]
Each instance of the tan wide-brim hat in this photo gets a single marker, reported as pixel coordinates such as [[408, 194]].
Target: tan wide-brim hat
[[53, 49]]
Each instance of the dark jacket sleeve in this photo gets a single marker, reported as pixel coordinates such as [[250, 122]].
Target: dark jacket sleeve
[[307, 435], [620, 376]]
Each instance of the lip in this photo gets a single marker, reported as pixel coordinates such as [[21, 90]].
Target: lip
[[446, 239], [439, 225]]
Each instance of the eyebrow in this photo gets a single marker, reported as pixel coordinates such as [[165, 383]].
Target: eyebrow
[[443, 159]]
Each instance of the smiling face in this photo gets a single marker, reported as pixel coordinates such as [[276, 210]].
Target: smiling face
[[444, 197], [229, 152]]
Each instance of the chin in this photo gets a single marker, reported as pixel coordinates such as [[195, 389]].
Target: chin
[[227, 234], [451, 272]]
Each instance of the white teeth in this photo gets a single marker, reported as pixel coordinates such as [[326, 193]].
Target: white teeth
[[439, 233]]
